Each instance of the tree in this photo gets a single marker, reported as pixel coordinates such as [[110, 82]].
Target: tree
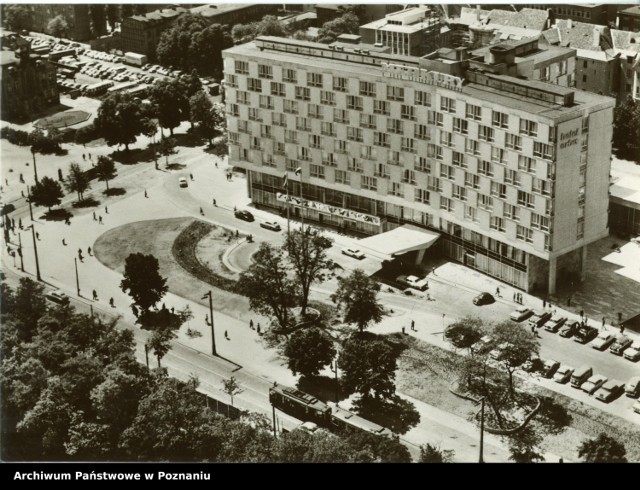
[[106, 169], [206, 115], [518, 347], [433, 454], [120, 119], [221, 147], [170, 98], [98, 19], [47, 193], [58, 26], [524, 445], [307, 252], [299, 446], [142, 280], [113, 15], [464, 333], [357, 296], [626, 130], [167, 147], [308, 351], [160, 342], [346, 24], [368, 366], [602, 449], [268, 26], [126, 10], [268, 285], [77, 181], [231, 387], [17, 17], [29, 306]]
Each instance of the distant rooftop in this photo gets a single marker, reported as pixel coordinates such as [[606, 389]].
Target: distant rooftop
[[407, 21], [635, 10], [218, 8], [526, 18]]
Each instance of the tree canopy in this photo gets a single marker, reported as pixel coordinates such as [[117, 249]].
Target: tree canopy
[[17, 17], [308, 351], [77, 181], [142, 280], [58, 26], [356, 295], [47, 192], [348, 23], [602, 449], [626, 130], [106, 169], [121, 118]]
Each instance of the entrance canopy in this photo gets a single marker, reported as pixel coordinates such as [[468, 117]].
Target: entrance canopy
[[390, 244]]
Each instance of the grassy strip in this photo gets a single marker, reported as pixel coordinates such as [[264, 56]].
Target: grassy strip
[[184, 251]]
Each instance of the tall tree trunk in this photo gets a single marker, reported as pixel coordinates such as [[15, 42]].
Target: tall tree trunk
[[107, 182], [158, 361]]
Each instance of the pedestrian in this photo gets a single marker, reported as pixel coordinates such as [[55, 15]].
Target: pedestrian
[[602, 322], [95, 295], [569, 301], [89, 156], [67, 221], [226, 335], [145, 193], [237, 233], [216, 164], [621, 329], [111, 302], [514, 297], [191, 176], [206, 318], [94, 216], [413, 325], [89, 250], [586, 320], [22, 193], [234, 209], [581, 313], [21, 178], [251, 324], [106, 210], [433, 271], [83, 157], [258, 328], [6, 182], [498, 292], [20, 223], [201, 212], [533, 330], [64, 242], [403, 332], [173, 310], [619, 317], [164, 307], [99, 219], [37, 236], [544, 303], [214, 203]]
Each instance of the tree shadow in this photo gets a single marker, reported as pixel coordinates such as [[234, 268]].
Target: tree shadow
[[190, 139], [59, 214], [396, 413], [131, 157], [89, 202], [322, 387], [115, 191], [175, 166]]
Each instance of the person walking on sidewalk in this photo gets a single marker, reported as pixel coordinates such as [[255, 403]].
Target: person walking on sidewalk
[[95, 295]]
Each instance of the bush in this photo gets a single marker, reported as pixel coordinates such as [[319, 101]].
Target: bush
[[86, 134], [15, 136]]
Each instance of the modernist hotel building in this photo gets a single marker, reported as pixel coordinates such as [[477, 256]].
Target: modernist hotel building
[[512, 174]]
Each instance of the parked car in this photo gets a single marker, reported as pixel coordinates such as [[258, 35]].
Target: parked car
[[56, 297], [539, 318], [554, 324], [183, 182], [594, 383], [532, 365], [636, 407], [244, 215], [620, 345], [563, 374], [569, 329], [610, 390], [633, 352], [550, 368], [483, 299], [483, 344], [580, 375], [353, 252], [270, 225], [499, 352], [521, 314], [603, 340], [585, 334], [413, 282], [632, 388]]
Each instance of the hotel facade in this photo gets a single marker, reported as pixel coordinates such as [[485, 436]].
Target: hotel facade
[[512, 174]]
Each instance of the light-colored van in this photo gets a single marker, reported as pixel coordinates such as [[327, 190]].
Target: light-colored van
[[632, 388], [580, 375]]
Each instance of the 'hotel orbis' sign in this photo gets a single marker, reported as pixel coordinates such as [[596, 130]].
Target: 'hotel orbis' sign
[[569, 138], [334, 210], [422, 76]]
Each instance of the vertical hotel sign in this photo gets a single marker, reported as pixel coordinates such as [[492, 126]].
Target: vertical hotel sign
[[420, 75]]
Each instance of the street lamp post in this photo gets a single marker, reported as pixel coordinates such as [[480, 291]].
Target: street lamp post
[[213, 337], [29, 201], [35, 169], [20, 252], [35, 250], [75, 262], [481, 460]]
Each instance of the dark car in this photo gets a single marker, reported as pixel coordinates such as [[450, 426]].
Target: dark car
[[244, 215], [550, 368], [585, 334], [569, 329], [539, 318], [483, 299]]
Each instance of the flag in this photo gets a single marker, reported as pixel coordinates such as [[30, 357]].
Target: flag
[[298, 170], [285, 182], [206, 295]]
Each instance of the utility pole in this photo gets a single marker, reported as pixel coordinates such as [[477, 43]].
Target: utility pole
[[29, 200], [273, 408], [20, 252], [35, 250], [482, 432], [213, 337], [35, 169], [75, 262]]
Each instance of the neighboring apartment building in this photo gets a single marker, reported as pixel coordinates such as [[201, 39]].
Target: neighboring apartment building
[[28, 83], [629, 19], [626, 44], [512, 174], [589, 13], [414, 31], [76, 15]]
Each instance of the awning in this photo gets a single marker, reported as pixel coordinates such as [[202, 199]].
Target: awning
[[390, 244]]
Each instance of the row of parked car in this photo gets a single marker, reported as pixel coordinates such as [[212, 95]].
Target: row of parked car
[[116, 73], [99, 55]]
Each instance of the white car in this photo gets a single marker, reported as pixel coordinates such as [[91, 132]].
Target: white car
[[563, 374], [270, 225], [520, 314], [603, 340], [633, 352], [413, 282], [593, 383], [353, 252], [183, 182]]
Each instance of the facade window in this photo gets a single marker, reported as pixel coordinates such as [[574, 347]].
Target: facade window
[[447, 172], [471, 180], [409, 176], [368, 183], [278, 89], [580, 232], [585, 142], [303, 93], [315, 141], [459, 192], [355, 165], [439, 154], [512, 177], [233, 110], [265, 131], [500, 119], [279, 149], [381, 107], [529, 128], [485, 202], [381, 170], [278, 119], [408, 144], [266, 102], [393, 157], [421, 131], [395, 126], [408, 112], [368, 121], [513, 142], [541, 187], [315, 111], [255, 114], [474, 112], [498, 190], [234, 138], [291, 136], [472, 146], [433, 184], [341, 146], [381, 139], [498, 155], [265, 71], [304, 154], [539, 222], [446, 138], [485, 168], [243, 126], [585, 124], [446, 204], [459, 159], [254, 84], [448, 104], [291, 164], [368, 89], [395, 93], [470, 213], [289, 76], [511, 212], [526, 199], [241, 67], [354, 102], [354, 134], [421, 97], [527, 164], [496, 223], [231, 80], [524, 234], [328, 129], [421, 195], [329, 159], [242, 97], [314, 79], [396, 189], [340, 84], [543, 151], [290, 106], [267, 160], [342, 177], [486, 133], [327, 97], [341, 116], [303, 124], [422, 164], [368, 153], [316, 171], [460, 125]]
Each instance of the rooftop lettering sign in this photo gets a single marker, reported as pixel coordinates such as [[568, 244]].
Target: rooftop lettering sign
[[325, 208], [422, 76]]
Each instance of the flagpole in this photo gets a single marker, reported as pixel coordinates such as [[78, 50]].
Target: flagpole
[[288, 208], [301, 205]]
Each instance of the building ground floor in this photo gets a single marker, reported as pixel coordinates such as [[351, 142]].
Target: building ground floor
[[624, 218], [364, 216]]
